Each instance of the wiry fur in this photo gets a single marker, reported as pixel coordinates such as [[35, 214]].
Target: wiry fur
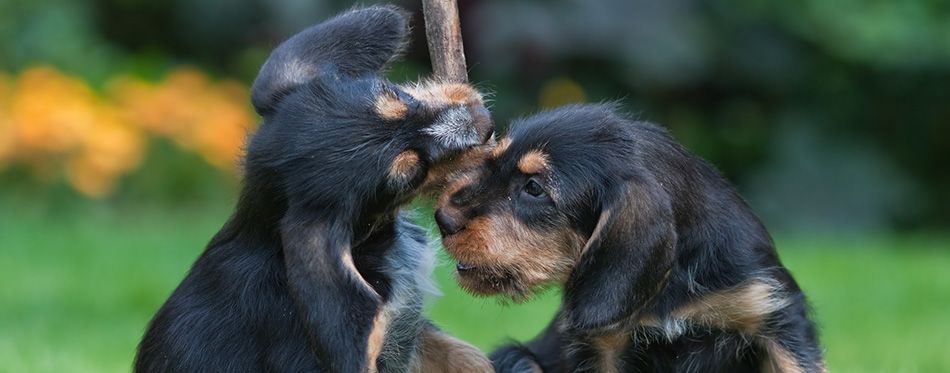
[[317, 269], [669, 270]]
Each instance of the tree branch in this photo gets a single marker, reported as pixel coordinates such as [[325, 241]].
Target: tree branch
[[444, 37]]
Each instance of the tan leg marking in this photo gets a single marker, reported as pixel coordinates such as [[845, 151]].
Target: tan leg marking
[[377, 337], [742, 309], [377, 334], [440, 352]]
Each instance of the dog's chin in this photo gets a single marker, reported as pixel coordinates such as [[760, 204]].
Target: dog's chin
[[491, 281]]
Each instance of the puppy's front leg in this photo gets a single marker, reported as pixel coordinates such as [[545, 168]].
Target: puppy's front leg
[[336, 306], [440, 352]]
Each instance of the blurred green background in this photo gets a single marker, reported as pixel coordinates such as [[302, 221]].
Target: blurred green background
[[121, 122]]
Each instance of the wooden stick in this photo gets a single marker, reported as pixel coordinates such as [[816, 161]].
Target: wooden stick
[[444, 37]]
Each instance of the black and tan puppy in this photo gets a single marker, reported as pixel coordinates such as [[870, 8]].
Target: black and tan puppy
[[317, 269], [664, 268]]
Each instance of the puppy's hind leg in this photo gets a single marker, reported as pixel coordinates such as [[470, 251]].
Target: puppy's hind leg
[[440, 352]]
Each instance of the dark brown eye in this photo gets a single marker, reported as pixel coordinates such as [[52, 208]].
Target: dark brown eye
[[534, 189]]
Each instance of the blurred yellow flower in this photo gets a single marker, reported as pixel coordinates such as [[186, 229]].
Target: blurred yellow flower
[[6, 141], [113, 149], [561, 91], [49, 112], [50, 121], [208, 118]]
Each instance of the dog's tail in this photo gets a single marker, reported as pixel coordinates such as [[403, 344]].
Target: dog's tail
[[361, 41]]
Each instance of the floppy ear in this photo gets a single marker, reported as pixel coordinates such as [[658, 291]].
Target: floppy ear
[[338, 308], [354, 43], [625, 262]]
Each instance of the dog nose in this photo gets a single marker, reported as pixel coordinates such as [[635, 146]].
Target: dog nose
[[447, 224]]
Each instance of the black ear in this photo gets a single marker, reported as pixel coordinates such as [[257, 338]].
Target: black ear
[[626, 261], [335, 304], [354, 43]]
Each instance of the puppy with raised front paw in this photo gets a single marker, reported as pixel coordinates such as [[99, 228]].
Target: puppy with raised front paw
[[317, 269], [664, 268]]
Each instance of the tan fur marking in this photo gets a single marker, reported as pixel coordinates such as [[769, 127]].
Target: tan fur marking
[[461, 93], [390, 107], [533, 162], [742, 309], [377, 337], [609, 348], [404, 165], [440, 352], [442, 94], [377, 334], [501, 148], [779, 360]]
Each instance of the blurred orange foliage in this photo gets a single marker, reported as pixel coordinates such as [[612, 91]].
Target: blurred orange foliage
[[56, 124]]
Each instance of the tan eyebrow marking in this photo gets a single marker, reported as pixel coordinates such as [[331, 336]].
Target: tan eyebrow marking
[[404, 166], [390, 107], [500, 149], [533, 162]]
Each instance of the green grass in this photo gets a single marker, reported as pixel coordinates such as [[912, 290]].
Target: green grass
[[76, 290]]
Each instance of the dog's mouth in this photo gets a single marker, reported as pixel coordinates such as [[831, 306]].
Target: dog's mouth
[[480, 274], [473, 271], [461, 246], [480, 280], [464, 267]]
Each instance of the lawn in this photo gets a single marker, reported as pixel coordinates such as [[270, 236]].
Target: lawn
[[78, 288]]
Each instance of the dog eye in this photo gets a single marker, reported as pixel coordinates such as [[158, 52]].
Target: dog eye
[[534, 189]]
